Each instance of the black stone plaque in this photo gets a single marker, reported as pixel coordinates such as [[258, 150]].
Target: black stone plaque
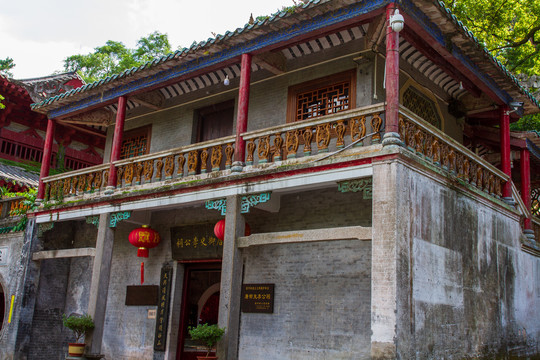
[[195, 242], [162, 319], [142, 295], [257, 298]]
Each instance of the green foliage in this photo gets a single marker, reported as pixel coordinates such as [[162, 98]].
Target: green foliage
[[209, 335], [527, 123], [114, 57], [27, 204], [509, 29], [2, 106], [80, 325], [6, 65]]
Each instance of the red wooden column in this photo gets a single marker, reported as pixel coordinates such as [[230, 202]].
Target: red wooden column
[[117, 140], [47, 155], [242, 116], [506, 165], [526, 183], [391, 135]]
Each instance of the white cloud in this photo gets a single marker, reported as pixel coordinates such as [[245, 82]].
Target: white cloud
[[39, 35]]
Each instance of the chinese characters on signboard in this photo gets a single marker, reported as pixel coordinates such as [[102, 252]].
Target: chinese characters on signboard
[[195, 242], [257, 298], [163, 308]]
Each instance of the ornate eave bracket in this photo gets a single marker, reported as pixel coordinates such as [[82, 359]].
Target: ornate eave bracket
[[94, 220], [117, 217], [247, 202], [250, 201], [220, 205], [44, 227], [364, 185]]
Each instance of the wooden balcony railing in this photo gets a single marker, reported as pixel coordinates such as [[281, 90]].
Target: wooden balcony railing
[[316, 136], [12, 206], [292, 140], [309, 137], [446, 153]]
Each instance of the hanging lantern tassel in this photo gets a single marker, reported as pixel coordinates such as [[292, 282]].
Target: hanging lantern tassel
[[144, 238]]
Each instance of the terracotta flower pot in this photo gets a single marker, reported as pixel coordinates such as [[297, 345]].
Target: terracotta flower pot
[[75, 349]]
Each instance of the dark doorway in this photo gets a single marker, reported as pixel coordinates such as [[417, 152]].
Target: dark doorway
[[200, 304], [215, 121]]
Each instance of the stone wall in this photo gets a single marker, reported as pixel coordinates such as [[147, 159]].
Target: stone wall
[[462, 284], [322, 301], [10, 281], [130, 334]]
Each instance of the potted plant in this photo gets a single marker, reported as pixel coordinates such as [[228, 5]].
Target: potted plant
[[79, 324], [209, 335]]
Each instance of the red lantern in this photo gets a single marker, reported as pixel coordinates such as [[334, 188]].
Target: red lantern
[[219, 230], [144, 238]]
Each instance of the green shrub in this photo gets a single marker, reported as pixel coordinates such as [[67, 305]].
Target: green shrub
[[209, 335], [78, 324]]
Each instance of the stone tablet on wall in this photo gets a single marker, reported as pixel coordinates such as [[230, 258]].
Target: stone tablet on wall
[[195, 242]]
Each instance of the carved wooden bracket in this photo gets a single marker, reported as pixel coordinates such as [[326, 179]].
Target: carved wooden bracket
[[101, 117], [153, 100]]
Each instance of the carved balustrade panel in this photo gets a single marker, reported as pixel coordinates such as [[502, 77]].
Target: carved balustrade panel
[[450, 157], [181, 160], [169, 166], [159, 169], [204, 160]]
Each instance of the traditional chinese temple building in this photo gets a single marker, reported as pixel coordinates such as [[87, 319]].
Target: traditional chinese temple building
[[375, 203], [22, 134]]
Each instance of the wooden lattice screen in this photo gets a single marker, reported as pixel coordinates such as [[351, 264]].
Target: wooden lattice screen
[[422, 106], [135, 143], [535, 202], [323, 96], [323, 101]]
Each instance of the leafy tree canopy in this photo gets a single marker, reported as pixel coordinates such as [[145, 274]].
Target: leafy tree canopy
[[114, 57], [6, 65], [510, 30]]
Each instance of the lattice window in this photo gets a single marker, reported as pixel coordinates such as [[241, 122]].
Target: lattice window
[[422, 106], [135, 143], [321, 97], [326, 100], [535, 202]]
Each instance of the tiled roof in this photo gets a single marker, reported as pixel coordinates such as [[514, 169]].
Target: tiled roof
[[18, 175], [276, 22]]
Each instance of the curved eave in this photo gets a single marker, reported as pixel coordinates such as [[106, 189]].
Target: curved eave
[[458, 39]]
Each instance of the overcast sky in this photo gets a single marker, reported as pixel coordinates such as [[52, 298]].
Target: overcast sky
[[38, 35]]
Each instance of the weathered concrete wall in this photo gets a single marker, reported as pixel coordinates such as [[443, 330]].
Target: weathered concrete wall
[[321, 301], [130, 334], [11, 274], [52, 287], [463, 287]]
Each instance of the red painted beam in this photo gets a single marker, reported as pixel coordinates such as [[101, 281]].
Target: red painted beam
[[392, 74], [506, 165], [117, 139], [525, 165], [47, 154], [243, 107]]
